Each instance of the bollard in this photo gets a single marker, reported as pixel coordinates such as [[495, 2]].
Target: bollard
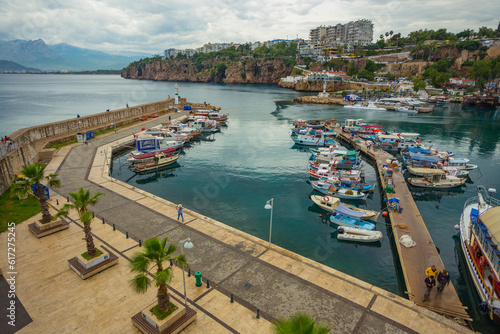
[[126, 233], [103, 220], [114, 228], [189, 272], [57, 201], [258, 315], [208, 284], [140, 243], [232, 299], [171, 262], [67, 199], [197, 275]]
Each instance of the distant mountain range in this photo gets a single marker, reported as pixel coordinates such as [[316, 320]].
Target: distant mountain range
[[7, 65], [63, 56]]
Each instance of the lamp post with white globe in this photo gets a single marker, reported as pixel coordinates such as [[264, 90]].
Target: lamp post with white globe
[[270, 205], [186, 243]]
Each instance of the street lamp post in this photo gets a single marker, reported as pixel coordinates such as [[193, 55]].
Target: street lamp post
[[188, 245], [270, 205], [116, 137], [78, 123]]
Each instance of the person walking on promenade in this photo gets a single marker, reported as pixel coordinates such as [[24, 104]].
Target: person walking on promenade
[[431, 271], [429, 283], [443, 280], [179, 212]]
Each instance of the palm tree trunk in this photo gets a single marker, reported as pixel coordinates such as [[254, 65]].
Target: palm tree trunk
[[46, 217], [90, 240], [163, 298]]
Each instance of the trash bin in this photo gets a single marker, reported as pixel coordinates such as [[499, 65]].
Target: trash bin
[[197, 275], [89, 134], [80, 137], [45, 190]]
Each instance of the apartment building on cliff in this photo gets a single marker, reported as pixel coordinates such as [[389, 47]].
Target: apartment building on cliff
[[354, 33]]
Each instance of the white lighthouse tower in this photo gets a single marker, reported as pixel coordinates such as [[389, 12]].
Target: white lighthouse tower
[[176, 88]]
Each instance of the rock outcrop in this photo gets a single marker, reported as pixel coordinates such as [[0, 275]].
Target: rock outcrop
[[246, 71]]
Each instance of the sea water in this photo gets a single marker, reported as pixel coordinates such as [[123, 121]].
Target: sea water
[[253, 160]]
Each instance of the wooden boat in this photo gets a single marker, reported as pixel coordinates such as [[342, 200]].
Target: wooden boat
[[159, 161], [348, 233], [148, 156], [314, 140], [479, 237], [345, 217], [329, 203], [481, 102], [435, 178], [328, 188]]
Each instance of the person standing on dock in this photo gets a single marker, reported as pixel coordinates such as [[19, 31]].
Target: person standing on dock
[[431, 271], [179, 212], [429, 283], [443, 280]]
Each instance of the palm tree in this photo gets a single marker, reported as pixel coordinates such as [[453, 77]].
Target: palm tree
[[81, 200], [154, 255], [35, 174], [300, 323]]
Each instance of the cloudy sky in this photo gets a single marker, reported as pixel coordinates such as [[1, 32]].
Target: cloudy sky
[[154, 25]]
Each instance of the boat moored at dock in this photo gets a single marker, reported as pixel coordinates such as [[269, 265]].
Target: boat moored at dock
[[480, 241]]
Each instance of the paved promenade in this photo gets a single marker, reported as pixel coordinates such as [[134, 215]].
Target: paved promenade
[[281, 282]]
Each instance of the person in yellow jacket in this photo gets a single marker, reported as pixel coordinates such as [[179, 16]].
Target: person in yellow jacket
[[431, 271]]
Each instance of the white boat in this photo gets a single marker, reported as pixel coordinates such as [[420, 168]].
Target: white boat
[[329, 203], [370, 106], [407, 109], [358, 234], [434, 178], [159, 161], [313, 140], [479, 237], [328, 188], [146, 144]]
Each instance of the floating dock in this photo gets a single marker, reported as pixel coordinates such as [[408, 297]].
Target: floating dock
[[416, 259]]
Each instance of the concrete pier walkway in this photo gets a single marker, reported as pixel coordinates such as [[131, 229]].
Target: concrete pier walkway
[[415, 260], [275, 281]]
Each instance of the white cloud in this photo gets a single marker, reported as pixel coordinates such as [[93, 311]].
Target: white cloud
[[152, 26]]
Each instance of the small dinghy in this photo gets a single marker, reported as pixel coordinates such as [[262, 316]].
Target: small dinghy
[[358, 234], [344, 216]]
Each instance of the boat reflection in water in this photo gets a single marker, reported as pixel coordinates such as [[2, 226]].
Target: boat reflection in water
[[433, 195], [156, 175]]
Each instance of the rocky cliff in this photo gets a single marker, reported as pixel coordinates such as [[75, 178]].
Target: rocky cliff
[[246, 71]]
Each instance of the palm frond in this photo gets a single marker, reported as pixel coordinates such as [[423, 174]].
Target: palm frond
[[164, 277], [139, 263], [140, 283]]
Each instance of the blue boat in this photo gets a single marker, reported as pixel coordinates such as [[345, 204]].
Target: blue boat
[[328, 188], [344, 216]]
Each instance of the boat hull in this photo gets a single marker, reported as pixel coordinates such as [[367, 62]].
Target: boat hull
[[358, 235]]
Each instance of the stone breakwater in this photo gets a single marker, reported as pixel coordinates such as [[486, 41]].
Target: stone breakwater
[[31, 143], [320, 100]]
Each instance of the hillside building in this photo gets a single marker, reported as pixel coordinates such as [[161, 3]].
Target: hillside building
[[358, 32]]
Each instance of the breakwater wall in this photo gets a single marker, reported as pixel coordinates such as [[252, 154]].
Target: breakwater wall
[[30, 144]]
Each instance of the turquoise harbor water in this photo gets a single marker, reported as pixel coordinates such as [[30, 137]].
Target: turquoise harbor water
[[253, 160]]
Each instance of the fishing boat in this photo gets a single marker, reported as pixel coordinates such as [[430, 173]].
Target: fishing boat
[[348, 233], [159, 161], [480, 240], [328, 188], [326, 171], [460, 163], [370, 106], [329, 203], [435, 178], [313, 140], [344, 216], [148, 156], [145, 144], [394, 142]]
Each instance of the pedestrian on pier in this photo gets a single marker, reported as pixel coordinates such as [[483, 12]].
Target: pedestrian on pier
[[431, 271], [429, 283], [179, 212], [443, 280]]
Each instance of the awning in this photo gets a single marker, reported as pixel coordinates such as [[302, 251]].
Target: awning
[[344, 210]]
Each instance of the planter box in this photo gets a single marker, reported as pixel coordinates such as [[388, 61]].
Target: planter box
[[85, 268], [146, 322], [41, 230]]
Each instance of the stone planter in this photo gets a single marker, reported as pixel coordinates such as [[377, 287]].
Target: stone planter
[[86, 268], [40, 230], [147, 322]]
